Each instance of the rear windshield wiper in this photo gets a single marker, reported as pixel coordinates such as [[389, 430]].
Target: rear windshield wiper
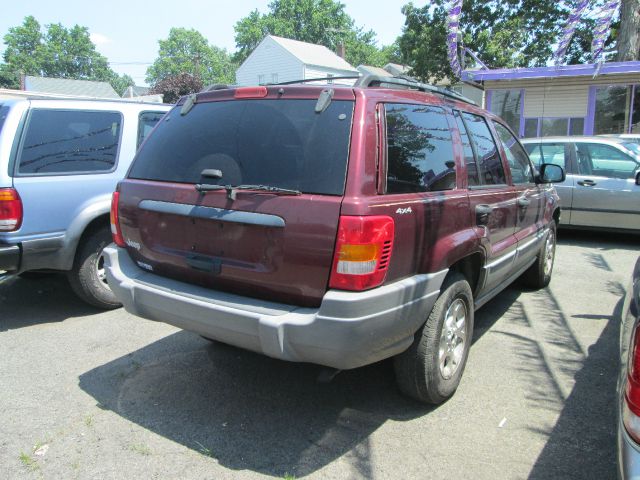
[[231, 189], [268, 188]]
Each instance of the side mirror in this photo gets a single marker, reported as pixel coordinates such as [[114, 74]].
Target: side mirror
[[638, 178], [551, 173]]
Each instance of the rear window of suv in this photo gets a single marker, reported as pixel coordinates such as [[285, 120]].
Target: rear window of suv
[[280, 143]]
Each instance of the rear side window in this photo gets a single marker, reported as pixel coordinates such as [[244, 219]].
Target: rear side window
[[605, 161], [70, 141], [419, 149], [146, 122], [521, 171], [280, 143], [490, 167]]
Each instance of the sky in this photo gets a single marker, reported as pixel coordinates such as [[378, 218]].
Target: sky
[[127, 33]]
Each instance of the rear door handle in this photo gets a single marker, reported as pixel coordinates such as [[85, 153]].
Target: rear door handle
[[523, 202], [482, 214], [587, 183]]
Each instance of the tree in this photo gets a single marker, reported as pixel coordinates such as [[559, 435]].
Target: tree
[[322, 22], [516, 33], [55, 52], [629, 38], [188, 51], [175, 86]]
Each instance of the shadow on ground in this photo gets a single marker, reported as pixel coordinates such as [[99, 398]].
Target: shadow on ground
[[598, 239], [582, 444], [45, 298], [247, 411]]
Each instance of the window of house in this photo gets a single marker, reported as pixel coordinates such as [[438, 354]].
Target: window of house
[[261, 79], [576, 126], [490, 169], [552, 127], [549, 127], [506, 103], [69, 141], [612, 109], [274, 78], [330, 77], [419, 149], [530, 127], [521, 170]]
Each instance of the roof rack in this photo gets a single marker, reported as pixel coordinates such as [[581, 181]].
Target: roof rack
[[408, 83], [307, 80]]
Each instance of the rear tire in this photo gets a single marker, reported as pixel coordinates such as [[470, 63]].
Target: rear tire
[[431, 368], [87, 277], [539, 274]]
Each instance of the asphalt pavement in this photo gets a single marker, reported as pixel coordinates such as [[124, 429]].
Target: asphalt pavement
[[91, 394]]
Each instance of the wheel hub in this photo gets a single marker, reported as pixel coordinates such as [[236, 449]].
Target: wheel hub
[[100, 270], [549, 252], [453, 338]]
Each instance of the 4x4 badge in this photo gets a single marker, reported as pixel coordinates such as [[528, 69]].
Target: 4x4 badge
[[402, 211]]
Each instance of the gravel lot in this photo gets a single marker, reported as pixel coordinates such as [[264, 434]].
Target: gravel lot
[[89, 394]]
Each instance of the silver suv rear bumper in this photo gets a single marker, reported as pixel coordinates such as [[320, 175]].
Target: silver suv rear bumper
[[348, 330]]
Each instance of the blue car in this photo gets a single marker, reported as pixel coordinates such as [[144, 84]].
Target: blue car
[[60, 161]]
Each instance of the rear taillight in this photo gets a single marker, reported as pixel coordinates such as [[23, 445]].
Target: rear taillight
[[10, 210], [363, 252], [116, 233], [631, 406]]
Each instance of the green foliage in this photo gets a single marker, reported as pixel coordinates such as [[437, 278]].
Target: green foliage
[[56, 52], [322, 22], [175, 86], [188, 52], [515, 33]]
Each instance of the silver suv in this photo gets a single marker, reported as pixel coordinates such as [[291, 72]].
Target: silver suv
[[602, 188], [60, 161]]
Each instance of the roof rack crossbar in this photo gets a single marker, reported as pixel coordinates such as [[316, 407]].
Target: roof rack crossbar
[[307, 80], [380, 81]]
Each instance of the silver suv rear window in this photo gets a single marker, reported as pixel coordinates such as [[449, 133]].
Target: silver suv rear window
[[280, 143]]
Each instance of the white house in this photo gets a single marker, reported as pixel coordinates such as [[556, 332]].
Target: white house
[[278, 59]]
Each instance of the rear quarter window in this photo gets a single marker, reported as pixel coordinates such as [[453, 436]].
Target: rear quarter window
[[490, 168], [146, 122], [69, 141], [419, 149]]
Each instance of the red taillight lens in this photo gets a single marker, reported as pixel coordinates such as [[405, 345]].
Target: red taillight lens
[[115, 221], [250, 92], [10, 210], [631, 410], [363, 251]]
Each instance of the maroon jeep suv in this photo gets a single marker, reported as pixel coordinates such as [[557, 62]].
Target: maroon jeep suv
[[337, 225]]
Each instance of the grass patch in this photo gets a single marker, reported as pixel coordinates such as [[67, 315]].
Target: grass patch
[[140, 449], [29, 462], [204, 450], [88, 420], [288, 476]]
